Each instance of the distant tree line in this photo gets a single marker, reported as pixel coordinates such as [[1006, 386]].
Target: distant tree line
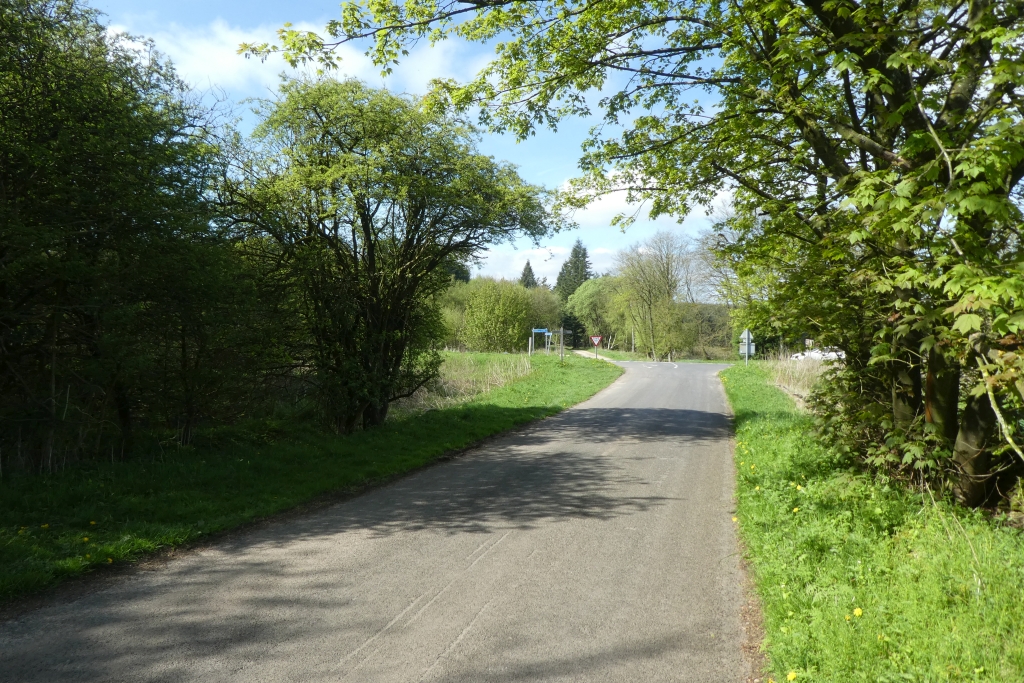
[[666, 297], [159, 271]]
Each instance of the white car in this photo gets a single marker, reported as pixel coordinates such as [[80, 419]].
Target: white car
[[819, 354]]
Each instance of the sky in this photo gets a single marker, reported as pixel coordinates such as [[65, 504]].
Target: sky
[[202, 37]]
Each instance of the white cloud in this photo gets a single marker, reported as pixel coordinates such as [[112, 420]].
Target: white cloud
[[207, 57], [506, 261]]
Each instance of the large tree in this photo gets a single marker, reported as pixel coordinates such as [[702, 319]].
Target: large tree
[[366, 196], [104, 234], [528, 279], [574, 272], [874, 149]]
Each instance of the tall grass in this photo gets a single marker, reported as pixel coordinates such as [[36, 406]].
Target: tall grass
[[796, 377], [464, 376], [862, 580]]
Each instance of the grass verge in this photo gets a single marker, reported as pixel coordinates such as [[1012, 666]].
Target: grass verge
[[63, 525], [860, 578]]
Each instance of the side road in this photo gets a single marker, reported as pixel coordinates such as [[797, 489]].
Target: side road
[[596, 545]]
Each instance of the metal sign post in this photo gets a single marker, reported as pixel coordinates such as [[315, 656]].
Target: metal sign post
[[561, 344], [747, 346], [596, 341]]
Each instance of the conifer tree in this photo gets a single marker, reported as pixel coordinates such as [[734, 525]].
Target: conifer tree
[[575, 271], [527, 279]]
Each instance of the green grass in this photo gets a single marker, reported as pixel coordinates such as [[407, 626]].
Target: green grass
[[939, 589], [58, 526]]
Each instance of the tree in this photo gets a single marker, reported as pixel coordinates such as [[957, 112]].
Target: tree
[[875, 150], [592, 305], [545, 308], [497, 317], [105, 168], [574, 272], [527, 279], [366, 196]]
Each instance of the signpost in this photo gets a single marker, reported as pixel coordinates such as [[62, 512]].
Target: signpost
[[747, 346], [596, 341]]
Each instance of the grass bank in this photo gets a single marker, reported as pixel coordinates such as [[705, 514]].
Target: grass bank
[[62, 525], [860, 578]]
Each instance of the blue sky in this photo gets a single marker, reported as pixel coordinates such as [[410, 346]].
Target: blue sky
[[202, 37]]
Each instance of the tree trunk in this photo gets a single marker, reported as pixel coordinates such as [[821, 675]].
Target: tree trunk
[[375, 415], [124, 417], [941, 395], [977, 427]]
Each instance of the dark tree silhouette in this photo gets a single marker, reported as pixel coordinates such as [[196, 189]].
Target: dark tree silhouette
[[527, 279]]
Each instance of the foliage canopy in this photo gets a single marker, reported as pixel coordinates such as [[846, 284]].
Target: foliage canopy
[[874, 151]]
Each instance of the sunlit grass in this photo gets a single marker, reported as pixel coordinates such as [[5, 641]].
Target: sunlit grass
[[463, 377], [798, 377], [62, 525], [861, 579]]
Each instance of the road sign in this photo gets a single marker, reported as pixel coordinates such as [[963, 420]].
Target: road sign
[[596, 339], [543, 330], [746, 345]]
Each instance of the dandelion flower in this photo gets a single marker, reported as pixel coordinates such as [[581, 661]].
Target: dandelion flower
[[85, 539], [742, 463], [791, 676], [796, 509], [799, 488], [858, 612], [735, 519], [757, 488], [753, 466], [847, 617]]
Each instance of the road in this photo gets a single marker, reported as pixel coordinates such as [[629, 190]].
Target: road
[[596, 545]]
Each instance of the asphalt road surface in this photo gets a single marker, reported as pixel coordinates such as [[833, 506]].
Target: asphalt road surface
[[596, 545]]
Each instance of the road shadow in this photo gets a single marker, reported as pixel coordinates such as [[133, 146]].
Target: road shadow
[[563, 468], [583, 464]]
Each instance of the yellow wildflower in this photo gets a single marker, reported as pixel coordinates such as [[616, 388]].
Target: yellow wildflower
[[85, 539], [92, 523], [796, 509], [847, 617], [757, 488], [109, 560], [45, 526], [791, 676], [735, 519], [87, 556], [858, 612]]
